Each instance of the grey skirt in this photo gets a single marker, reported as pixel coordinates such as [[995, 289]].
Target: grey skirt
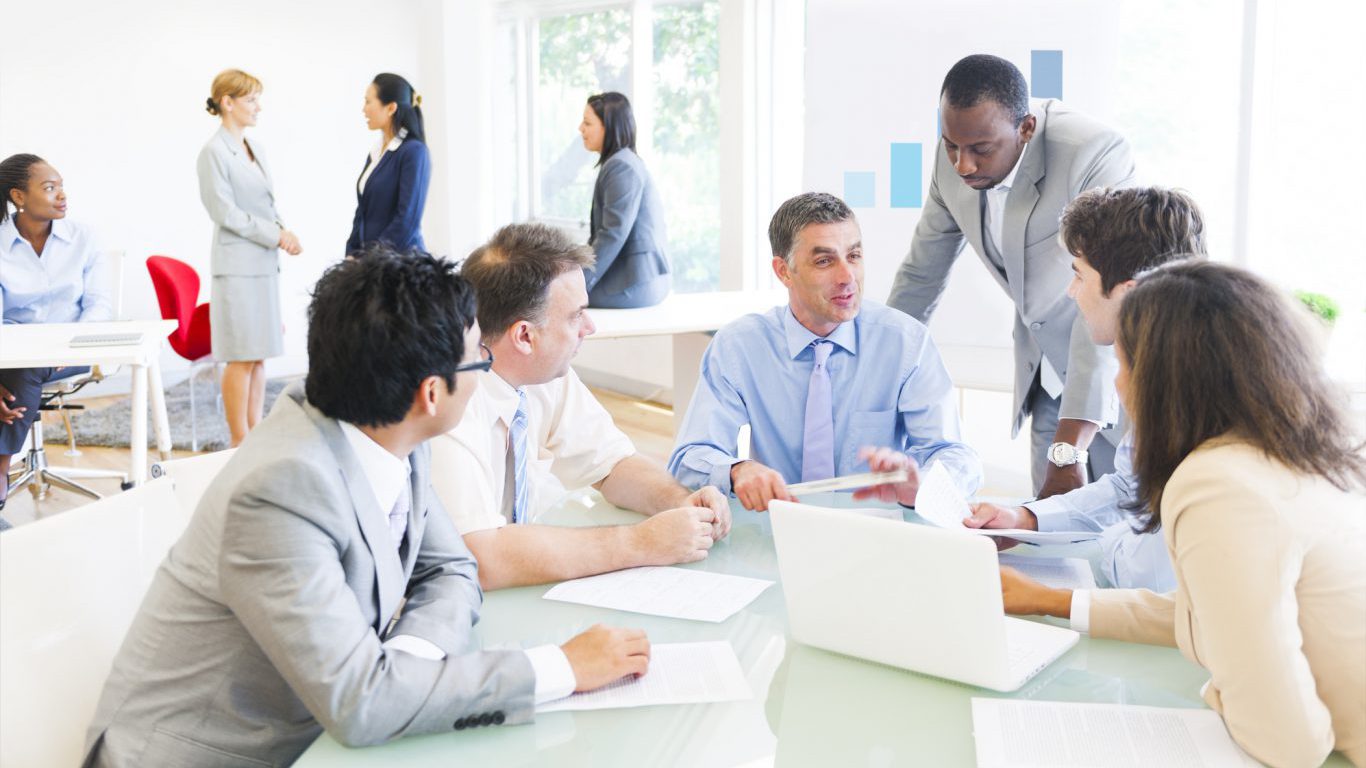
[[244, 317]]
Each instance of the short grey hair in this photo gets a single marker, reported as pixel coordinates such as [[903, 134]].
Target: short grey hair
[[800, 211]]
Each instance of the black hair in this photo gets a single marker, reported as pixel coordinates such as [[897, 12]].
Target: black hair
[[378, 326], [980, 77], [618, 123], [393, 89], [15, 172]]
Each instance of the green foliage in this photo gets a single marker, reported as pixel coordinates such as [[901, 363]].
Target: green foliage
[[1322, 306], [586, 53]]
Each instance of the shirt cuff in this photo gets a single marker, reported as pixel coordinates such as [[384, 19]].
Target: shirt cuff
[[554, 676], [720, 475], [1081, 611], [423, 649], [1051, 513]]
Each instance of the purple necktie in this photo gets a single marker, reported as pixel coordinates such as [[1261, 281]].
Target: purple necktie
[[398, 516], [818, 436]]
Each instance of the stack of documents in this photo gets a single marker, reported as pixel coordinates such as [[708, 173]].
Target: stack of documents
[[680, 673], [1025, 734], [680, 593]]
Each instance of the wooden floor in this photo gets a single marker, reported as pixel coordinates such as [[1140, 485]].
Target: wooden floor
[[649, 425]]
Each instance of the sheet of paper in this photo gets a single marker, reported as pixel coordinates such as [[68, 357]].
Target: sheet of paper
[[848, 482], [1025, 734], [1056, 572], [680, 593], [680, 673], [939, 500]]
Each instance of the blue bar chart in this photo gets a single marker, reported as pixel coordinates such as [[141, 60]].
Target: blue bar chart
[[906, 164], [1045, 74], [906, 172], [860, 189]]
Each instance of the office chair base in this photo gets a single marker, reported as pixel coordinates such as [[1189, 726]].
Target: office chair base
[[39, 477]]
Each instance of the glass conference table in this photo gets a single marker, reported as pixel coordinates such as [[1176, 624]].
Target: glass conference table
[[810, 707]]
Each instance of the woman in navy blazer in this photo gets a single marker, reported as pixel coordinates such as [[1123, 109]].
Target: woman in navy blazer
[[392, 188]]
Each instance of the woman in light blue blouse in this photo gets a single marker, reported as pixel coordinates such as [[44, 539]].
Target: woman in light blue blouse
[[50, 272], [626, 224]]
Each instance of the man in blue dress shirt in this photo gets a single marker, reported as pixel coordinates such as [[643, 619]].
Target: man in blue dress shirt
[[822, 382], [1115, 236]]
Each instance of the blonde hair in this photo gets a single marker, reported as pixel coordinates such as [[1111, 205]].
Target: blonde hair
[[230, 82]]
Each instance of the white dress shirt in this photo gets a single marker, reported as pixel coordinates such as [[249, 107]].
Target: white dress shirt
[[69, 282], [572, 443], [376, 153], [387, 475], [996, 216]]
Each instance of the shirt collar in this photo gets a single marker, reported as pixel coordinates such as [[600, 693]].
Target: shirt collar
[[502, 396], [9, 232], [799, 337], [62, 230], [1009, 180], [386, 473]]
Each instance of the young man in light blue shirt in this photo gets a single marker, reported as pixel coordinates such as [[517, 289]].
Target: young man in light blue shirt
[[1114, 236], [822, 381]]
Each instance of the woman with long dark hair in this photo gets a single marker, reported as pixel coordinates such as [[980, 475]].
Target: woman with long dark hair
[[1246, 459], [392, 189], [626, 224]]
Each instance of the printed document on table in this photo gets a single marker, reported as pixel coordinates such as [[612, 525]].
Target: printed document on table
[[680, 673], [680, 593], [1030, 734], [1056, 572], [939, 502]]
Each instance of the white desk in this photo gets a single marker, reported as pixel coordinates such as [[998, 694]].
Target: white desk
[[47, 345], [690, 318]]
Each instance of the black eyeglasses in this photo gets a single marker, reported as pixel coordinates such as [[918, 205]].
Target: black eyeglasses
[[481, 365]]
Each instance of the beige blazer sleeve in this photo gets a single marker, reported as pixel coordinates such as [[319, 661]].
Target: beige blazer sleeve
[[1235, 612]]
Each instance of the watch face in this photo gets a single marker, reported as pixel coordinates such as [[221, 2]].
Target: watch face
[[1063, 454]]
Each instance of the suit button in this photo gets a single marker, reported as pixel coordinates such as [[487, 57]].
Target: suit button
[[486, 719], [460, 724], [1035, 326], [498, 718]]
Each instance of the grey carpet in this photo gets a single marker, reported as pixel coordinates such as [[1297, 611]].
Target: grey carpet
[[109, 425]]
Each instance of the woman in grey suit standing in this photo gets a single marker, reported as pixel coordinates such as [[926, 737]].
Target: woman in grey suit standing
[[244, 305], [626, 226]]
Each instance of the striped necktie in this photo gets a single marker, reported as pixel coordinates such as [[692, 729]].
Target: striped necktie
[[517, 436]]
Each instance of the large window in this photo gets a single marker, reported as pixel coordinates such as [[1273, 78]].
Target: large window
[[665, 57]]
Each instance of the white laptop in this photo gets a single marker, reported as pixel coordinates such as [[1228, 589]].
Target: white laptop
[[911, 596]]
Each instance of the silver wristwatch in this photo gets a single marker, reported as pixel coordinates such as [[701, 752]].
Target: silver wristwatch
[[1066, 454]]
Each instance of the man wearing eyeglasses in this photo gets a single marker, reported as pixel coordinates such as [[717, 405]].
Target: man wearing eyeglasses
[[533, 431]]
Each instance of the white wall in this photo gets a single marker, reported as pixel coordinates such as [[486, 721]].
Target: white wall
[[112, 94]]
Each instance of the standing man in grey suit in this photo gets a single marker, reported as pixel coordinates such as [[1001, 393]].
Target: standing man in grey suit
[[1005, 169], [277, 614]]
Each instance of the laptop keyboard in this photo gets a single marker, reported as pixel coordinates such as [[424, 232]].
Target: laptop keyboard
[[105, 339]]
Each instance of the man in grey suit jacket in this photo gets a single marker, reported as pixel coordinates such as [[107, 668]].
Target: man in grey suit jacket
[[1005, 168], [319, 584]]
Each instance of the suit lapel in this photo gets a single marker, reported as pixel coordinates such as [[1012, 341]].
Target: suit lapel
[[389, 572], [265, 170], [259, 178], [1020, 202]]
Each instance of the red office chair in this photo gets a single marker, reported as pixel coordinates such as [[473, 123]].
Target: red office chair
[[177, 287]]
